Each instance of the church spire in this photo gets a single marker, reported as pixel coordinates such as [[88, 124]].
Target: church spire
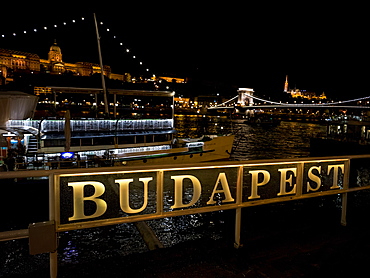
[[286, 84]]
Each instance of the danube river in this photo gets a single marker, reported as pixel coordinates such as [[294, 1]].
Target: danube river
[[287, 140]]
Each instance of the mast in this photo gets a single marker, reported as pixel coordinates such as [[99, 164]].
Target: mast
[[102, 70]]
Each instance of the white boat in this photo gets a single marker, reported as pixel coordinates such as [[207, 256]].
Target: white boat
[[91, 142], [175, 151]]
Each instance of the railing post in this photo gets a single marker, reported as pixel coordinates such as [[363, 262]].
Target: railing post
[[238, 211], [343, 220], [238, 216], [53, 256]]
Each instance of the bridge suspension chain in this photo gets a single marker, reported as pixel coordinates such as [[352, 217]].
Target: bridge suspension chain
[[227, 101], [291, 104]]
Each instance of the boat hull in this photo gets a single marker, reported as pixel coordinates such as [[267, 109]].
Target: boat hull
[[219, 148]]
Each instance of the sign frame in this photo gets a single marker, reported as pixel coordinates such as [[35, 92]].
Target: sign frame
[[240, 167]]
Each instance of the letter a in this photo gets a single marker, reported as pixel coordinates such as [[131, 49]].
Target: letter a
[[79, 199], [225, 189]]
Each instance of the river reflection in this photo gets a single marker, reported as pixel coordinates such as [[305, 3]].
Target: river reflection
[[287, 140]]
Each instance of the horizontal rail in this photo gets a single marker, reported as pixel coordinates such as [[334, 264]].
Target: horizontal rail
[[16, 234], [45, 173]]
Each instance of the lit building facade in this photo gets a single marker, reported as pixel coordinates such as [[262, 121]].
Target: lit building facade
[[55, 65], [18, 61], [297, 93], [12, 61]]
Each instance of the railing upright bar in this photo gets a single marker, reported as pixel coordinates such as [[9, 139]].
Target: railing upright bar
[[299, 182], [238, 211], [343, 220], [53, 256], [159, 192]]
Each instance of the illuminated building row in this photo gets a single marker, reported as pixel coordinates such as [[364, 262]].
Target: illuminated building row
[[19, 61], [12, 60]]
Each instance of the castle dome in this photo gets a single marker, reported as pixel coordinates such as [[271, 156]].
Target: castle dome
[[55, 48]]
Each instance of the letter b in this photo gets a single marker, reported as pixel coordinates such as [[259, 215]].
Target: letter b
[[79, 199]]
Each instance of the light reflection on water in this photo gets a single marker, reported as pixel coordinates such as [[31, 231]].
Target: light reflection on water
[[288, 140]]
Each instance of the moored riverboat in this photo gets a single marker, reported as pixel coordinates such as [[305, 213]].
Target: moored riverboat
[[144, 139]]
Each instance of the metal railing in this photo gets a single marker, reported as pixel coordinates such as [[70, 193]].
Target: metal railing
[[302, 181]]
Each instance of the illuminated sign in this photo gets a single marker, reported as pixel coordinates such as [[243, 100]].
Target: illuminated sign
[[167, 192], [67, 155]]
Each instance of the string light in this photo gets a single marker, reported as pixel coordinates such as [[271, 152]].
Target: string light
[[64, 23]]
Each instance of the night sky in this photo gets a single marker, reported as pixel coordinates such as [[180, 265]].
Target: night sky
[[320, 47]]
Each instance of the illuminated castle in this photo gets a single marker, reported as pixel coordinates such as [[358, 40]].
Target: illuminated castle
[[18, 61], [297, 93]]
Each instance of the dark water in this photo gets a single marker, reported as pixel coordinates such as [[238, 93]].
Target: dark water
[[287, 140]]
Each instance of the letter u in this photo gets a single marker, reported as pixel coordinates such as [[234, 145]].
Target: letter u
[[124, 194]]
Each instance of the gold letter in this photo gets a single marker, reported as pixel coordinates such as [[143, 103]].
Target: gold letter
[[79, 199], [197, 188], [225, 189], [284, 180], [335, 174], [124, 194], [314, 178], [255, 183]]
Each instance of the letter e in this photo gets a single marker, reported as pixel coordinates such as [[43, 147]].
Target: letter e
[[284, 180]]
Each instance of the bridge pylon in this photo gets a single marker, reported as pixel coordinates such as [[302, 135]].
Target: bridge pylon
[[245, 97]]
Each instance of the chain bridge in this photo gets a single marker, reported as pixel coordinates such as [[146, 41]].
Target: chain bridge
[[246, 100]]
